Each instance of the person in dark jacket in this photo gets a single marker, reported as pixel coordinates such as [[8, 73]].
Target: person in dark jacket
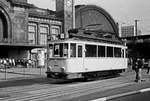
[[138, 68], [148, 66]]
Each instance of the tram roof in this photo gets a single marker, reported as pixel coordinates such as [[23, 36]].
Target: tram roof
[[94, 36], [115, 42]]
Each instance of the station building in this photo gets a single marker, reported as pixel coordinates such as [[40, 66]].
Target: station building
[[25, 28], [96, 19], [86, 17]]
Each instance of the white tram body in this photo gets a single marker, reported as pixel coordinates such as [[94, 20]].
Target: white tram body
[[72, 58]]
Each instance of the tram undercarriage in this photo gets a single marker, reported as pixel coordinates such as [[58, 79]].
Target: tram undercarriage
[[85, 75]]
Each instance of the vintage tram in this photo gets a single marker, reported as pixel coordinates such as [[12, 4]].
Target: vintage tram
[[85, 58]]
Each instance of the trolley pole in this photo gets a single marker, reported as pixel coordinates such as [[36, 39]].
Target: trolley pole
[[5, 72], [24, 70], [40, 70]]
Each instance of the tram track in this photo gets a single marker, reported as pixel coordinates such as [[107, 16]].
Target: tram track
[[30, 87], [22, 89], [75, 93], [68, 90]]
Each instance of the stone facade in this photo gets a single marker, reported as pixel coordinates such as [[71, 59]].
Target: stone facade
[[24, 27], [87, 17]]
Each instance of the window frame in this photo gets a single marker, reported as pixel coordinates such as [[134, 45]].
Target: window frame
[[43, 41], [34, 33], [55, 36]]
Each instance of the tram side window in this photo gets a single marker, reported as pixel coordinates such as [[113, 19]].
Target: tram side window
[[65, 50], [90, 51], [79, 51], [117, 52], [73, 50], [109, 51], [61, 50], [101, 51]]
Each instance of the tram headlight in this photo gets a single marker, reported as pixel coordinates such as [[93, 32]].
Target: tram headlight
[[62, 69], [49, 68]]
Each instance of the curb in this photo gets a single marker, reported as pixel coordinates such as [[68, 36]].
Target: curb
[[122, 95]]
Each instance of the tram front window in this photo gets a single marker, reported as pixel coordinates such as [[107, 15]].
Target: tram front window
[[50, 51], [60, 50]]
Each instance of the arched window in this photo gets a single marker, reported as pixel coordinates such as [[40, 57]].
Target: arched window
[[3, 26]]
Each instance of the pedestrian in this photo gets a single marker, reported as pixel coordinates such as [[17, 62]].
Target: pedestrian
[[135, 68], [13, 62], [148, 66], [131, 63], [139, 70], [143, 63]]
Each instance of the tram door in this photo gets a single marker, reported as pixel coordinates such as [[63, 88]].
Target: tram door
[[80, 55]]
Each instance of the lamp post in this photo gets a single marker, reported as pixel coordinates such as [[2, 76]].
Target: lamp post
[[136, 25]]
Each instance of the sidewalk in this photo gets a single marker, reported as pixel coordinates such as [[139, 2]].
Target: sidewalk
[[21, 73], [27, 73]]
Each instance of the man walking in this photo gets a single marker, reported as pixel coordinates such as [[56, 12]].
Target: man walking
[[138, 69], [148, 66]]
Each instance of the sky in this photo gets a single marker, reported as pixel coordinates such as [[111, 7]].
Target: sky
[[125, 12]]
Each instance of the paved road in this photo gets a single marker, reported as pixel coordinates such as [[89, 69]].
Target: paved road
[[43, 89], [118, 93], [134, 97]]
